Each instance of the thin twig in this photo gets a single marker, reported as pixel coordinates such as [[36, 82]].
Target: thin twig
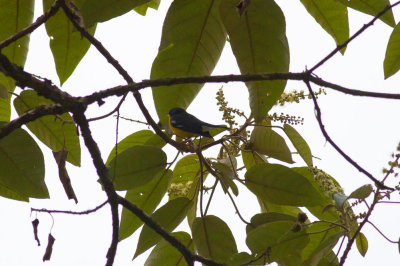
[[382, 234], [71, 212]]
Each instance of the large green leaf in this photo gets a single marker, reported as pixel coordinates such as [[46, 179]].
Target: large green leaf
[[263, 218], [271, 207], [168, 216], [213, 239], [94, 11], [323, 237], [165, 254], [332, 16], [299, 143], [50, 130], [259, 43], [391, 64], [283, 244], [136, 166], [268, 142], [281, 185], [142, 137], [371, 7], [146, 197], [192, 41], [14, 16], [66, 43], [22, 166]]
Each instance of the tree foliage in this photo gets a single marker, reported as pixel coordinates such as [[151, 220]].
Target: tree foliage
[[258, 153]]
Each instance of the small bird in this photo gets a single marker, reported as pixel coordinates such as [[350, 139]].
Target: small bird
[[185, 125]]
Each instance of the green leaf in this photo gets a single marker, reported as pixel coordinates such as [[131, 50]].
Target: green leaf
[[322, 239], [192, 41], [361, 193], [270, 207], [281, 185], [278, 238], [251, 158], [332, 16], [14, 16], [362, 244], [142, 10], [263, 218], [268, 142], [49, 130], [165, 254], [226, 174], [391, 64], [136, 166], [142, 137], [299, 143], [67, 45], [94, 11], [371, 7], [146, 197], [22, 166], [185, 176], [213, 239], [169, 217], [259, 43]]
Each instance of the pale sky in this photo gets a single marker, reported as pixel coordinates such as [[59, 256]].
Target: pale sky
[[365, 128]]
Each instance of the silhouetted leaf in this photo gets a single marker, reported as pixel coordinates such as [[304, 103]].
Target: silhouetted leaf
[[168, 216], [259, 43], [136, 166], [263, 218], [146, 197], [49, 130], [213, 239], [22, 168], [192, 41], [281, 185], [142, 10]]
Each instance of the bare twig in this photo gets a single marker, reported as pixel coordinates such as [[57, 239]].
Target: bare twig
[[71, 212]]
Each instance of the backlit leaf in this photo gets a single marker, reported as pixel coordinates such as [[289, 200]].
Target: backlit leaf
[[259, 43], [213, 239], [169, 217], [142, 10], [391, 64], [95, 11], [299, 143], [146, 197], [281, 185], [48, 129], [136, 166], [142, 137], [268, 142], [362, 244], [66, 43], [332, 16], [371, 7], [361, 193], [192, 41]]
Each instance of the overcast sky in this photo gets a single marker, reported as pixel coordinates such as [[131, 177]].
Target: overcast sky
[[367, 129]]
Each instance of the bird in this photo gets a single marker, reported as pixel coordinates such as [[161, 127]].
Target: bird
[[185, 125]]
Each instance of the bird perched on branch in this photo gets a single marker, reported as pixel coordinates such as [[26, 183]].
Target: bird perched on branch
[[185, 125]]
